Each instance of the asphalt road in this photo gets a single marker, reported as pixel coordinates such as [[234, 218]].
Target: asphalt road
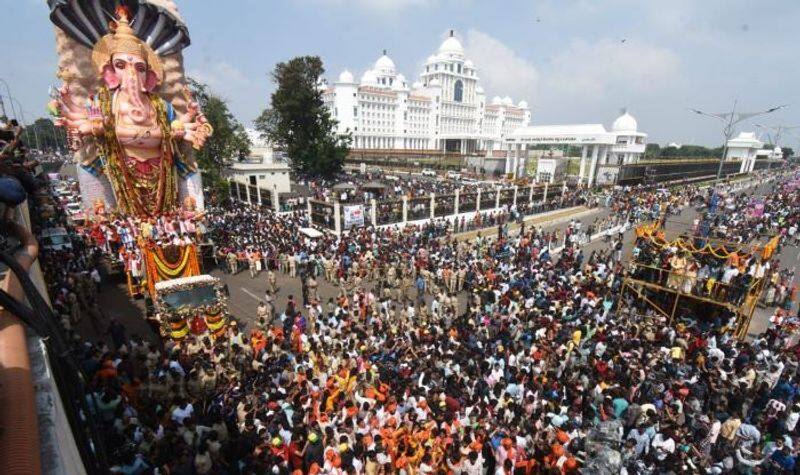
[[246, 292]]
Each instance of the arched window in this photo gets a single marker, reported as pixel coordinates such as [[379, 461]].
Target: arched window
[[458, 91]]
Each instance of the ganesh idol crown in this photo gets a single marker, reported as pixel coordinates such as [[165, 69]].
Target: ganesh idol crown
[[130, 119]]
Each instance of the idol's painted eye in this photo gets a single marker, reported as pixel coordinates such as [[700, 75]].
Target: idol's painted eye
[[119, 64], [140, 67]]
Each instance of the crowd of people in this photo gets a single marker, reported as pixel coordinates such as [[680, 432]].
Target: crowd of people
[[362, 187], [16, 177], [504, 354], [721, 256]]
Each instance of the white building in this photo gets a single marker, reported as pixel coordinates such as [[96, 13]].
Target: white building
[[771, 154], [602, 151], [262, 169], [744, 147], [445, 110]]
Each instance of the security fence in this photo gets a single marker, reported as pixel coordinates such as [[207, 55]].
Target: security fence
[[339, 216]]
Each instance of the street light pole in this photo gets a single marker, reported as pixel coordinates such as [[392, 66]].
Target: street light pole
[[24, 120], [730, 119], [8, 92], [728, 132], [779, 130], [35, 135]]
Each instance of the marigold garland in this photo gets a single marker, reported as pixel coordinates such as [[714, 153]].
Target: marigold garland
[[653, 234], [158, 268]]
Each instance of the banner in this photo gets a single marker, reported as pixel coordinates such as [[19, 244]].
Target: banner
[[353, 216]]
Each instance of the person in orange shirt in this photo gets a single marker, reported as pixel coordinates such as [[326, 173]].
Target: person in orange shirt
[[257, 341]]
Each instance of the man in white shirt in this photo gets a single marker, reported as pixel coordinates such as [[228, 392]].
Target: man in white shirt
[[729, 274], [183, 411], [95, 275], [663, 445]]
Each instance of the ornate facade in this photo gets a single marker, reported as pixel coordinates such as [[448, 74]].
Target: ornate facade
[[445, 110]]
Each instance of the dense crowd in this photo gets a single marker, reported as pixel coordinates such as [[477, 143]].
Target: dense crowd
[[507, 353], [16, 177], [719, 257]]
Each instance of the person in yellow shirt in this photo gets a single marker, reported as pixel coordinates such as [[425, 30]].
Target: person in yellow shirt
[[576, 336]]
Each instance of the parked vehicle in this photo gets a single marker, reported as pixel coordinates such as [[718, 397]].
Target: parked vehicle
[[56, 239]]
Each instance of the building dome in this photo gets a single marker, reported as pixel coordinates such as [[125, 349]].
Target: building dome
[[369, 78], [451, 47], [507, 101], [624, 123], [384, 65], [496, 100], [435, 83], [522, 105], [399, 83], [478, 89], [346, 76]]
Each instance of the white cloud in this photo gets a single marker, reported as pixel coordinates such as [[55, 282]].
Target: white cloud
[[501, 70], [222, 77], [377, 6], [590, 69], [246, 95]]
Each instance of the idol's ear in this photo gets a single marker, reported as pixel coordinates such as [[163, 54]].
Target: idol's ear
[[110, 76], [150, 81]]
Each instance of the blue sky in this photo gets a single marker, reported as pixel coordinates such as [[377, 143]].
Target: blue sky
[[567, 58]]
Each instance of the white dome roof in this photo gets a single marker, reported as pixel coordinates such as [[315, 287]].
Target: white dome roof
[[369, 78], [507, 101], [451, 47], [435, 83], [479, 89], [346, 76], [625, 123], [497, 100], [384, 65], [523, 105]]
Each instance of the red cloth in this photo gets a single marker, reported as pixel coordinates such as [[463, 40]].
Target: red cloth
[[198, 326]]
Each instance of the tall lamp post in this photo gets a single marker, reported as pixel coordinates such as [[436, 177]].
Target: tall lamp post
[[730, 119], [779, 130], [22, 118], [8, 92], [32, 125]]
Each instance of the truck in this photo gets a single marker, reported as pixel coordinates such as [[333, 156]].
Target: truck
[[196, 304]]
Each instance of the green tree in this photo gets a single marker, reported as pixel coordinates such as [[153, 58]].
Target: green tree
[[298, 122], [652, 150], [228, 142], [42, 133], [688, 151]]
